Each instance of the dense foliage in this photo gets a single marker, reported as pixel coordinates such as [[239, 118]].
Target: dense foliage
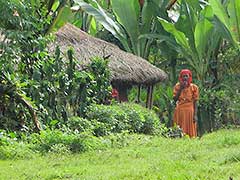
[[104, 126], [36, 85], [124, 117], [61, 90], [49, 84]]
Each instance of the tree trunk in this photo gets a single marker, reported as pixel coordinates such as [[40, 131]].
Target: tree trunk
[[31, 110], [171, 3]]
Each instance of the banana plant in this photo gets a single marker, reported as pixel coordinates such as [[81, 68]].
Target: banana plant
[[229, 15], [195, 36], [128, 21]]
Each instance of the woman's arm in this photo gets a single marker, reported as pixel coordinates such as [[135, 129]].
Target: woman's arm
[[175, 98], [195, 118]]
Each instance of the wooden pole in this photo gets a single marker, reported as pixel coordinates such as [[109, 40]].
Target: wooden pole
[[31, 110], [148, 90], [139, 93], [151, 97], [149, 101], [171, 3]]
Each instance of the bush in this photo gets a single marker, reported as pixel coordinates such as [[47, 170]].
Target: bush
[[79, 124], [56, 141], [123, 117], [16, 150], [216, 108], [10, 148]]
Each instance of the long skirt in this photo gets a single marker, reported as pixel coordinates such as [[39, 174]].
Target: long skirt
[[183, 116]]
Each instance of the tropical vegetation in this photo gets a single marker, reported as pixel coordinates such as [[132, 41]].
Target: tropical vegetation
[[48, 105]]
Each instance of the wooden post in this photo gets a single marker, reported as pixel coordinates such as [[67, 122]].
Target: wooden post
[[149, 101], [151, 97], [139, 93]]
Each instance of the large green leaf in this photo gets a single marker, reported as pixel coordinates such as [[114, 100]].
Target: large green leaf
[[219, 10], [163, 38], [187, 20], [179, 36], [147, 22], [207, 12], [195, 4], [150, 10], [127, 13], [222, 29], [201, 34], [234, 13], [103, 18], [230, 16], [64, 15]]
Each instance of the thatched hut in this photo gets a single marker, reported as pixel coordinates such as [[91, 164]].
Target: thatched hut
[[126, 69]]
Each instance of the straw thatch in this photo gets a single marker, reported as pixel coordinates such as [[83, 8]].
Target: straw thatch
[[125, 68]]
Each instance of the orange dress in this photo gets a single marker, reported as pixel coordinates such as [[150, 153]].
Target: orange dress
[[184, 111]]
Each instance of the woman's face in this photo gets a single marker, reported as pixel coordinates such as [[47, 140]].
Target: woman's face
[[185, 77]]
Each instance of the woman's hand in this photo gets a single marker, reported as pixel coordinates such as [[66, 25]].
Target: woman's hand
[[183, 84]]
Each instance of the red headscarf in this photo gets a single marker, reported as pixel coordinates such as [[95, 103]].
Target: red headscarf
[[183, 72]]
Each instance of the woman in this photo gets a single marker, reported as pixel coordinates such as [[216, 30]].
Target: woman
[[186, 94]]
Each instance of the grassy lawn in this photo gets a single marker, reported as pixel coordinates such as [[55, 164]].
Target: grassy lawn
[[215, 156]]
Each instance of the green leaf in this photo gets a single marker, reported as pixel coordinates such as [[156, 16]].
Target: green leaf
[[179, 36], [12, 135], [219, 11], [229, 16], [108, 23], [127, 13], [64, 15], [207, 12], [201, 34], [222, 29], [150, 10], [163, 38], [234, 13], [187, 20]]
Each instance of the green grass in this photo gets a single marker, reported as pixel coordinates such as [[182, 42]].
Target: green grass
[[215, 156]]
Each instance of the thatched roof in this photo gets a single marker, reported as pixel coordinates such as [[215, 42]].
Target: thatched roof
[[124, 67]]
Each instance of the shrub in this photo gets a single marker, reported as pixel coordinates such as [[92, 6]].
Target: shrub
[[10, 148], [122, 117], [216, 107], [79, 124], [56, 140]]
